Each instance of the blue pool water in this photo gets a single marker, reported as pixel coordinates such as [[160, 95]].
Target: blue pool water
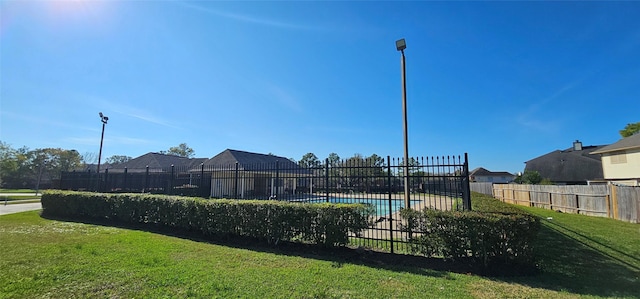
[[381, 205]]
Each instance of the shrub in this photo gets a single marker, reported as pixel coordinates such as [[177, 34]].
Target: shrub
[[494, 233], [273, 221]]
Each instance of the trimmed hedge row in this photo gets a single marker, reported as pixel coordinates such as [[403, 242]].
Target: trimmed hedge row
[[273, 221], [486, 203], [495, 234]]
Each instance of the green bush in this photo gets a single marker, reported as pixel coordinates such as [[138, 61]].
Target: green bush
[[494, 233], [486, 203], [273, 221]]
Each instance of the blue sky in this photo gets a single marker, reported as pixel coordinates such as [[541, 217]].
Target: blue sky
[[504, 81]]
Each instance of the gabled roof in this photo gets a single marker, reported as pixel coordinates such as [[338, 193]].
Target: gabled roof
[[568, 166], [631, 142], [251, 161], [484, 172], [157, 160]]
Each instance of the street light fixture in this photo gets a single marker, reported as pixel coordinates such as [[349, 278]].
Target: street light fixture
[[104, 120], [400, 46]]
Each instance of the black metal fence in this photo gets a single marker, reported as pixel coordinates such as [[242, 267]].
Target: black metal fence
[[435, 182]]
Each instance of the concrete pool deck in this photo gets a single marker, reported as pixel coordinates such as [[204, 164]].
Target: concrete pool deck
[[381, 228]]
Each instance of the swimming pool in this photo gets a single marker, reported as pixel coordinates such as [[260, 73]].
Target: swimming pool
[[381, 205]]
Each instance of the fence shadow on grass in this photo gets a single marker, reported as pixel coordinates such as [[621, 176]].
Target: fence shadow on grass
[[338, 256], [574, 263]]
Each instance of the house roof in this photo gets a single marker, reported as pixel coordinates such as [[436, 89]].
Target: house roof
[[569, 165], [157, 160], [484, 172], [252, 161], [630, 142]]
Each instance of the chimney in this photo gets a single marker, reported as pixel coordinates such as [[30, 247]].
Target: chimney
[[577, 145]]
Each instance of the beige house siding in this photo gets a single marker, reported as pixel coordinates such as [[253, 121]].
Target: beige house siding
[[621, 161], [622, 165], [249, 185]]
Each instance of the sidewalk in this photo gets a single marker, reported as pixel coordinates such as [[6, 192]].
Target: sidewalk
[[21, 194], [21, 207]]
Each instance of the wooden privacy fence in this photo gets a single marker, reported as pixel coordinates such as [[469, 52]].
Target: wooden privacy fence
[[617, 202], [482, 187]]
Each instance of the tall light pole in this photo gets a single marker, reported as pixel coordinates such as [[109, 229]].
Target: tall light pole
[[104, 120], [400, 46]]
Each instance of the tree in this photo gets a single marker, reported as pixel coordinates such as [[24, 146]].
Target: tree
[[7, 161], [68, 160], [333, 159], [309, 160], [118, 159], [362, 173], [182, 150], [414, 166], [89, 158], [529, 177], [46, 164], [375, 160], [352, 175], [630, 129], [24, 168], [14, 166], [376, 163]]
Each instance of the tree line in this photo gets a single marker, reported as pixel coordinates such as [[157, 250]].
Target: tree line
[[359, 165], [24, 168], [38, 168]]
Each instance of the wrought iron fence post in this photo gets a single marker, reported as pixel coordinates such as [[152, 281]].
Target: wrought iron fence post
[[170, 191], [235, 186], [466, 196], [125, 180], [326, 178], [277, 183], [96, 184], [106, 174], [201, 179], [390, 203], [146, 180], [62, 180]]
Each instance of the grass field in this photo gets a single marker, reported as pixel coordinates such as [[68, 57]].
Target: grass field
[[579, 257]]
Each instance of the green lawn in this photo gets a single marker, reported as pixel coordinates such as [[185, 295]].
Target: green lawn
[[580, 256]]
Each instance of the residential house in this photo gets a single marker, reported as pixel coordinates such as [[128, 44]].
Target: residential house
[[156, 162], [621, 161], [257, 175], [576, 165], [482, 175], [232, 173]]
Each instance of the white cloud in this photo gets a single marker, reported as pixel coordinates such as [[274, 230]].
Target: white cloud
[[531, 117], [113, 106], [246, 18], [283, 97], [114, 140]]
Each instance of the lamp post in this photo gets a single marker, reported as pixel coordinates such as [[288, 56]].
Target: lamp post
[[104, 120], [400, 46]]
